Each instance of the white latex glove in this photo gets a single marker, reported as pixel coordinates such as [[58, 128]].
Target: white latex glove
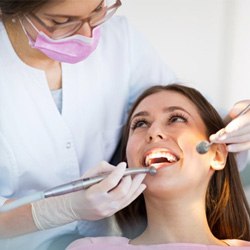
[[237, 133], [98, 201]]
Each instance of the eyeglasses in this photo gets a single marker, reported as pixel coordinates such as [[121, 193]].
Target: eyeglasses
[[102, 13]]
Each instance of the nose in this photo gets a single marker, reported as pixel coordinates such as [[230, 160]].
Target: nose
[[155, 133], [85, 30]]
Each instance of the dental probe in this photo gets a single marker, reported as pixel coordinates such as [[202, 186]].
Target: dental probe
[[204, 146], [70, 187]]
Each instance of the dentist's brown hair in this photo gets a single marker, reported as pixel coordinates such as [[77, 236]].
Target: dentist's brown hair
[[14, 8], [227, 209]]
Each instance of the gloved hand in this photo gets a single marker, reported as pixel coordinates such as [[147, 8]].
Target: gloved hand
[[237, 133], [98, 201]]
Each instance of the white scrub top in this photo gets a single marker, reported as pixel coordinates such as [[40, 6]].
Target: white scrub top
[[41, 147]]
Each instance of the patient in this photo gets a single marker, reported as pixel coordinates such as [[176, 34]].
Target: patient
[[194, 200]]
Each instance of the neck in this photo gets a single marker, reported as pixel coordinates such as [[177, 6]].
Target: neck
[[20, 44], [175, 222]]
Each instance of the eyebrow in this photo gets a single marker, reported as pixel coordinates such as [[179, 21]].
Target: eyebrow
[[165, 110]]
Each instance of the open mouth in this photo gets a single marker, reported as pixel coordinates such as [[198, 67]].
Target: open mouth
[[160, 158]]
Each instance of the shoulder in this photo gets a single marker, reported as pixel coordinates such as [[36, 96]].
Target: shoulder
[[116, 22], [235, 244], [238, 243], [97, 243], [119, 28]]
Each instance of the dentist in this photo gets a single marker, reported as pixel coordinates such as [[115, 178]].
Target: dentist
[[68, 76]]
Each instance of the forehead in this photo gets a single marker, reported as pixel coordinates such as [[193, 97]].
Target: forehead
[[70, 7], [165, 99]]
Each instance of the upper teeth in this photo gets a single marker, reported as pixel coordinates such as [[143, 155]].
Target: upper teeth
[[170, 157]]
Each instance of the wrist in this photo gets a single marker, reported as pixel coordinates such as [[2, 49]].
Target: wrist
[[52, 212]]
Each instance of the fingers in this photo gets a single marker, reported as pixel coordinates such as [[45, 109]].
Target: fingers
[[127, 187], [216, 137], [102, 167], [136, 189], [113, 179], [123, 195], [241, 122], [229, 138], [238, 108], [239, 126], [236, 134], [235, 143], [124, 190], [110, 195], [238, 147]]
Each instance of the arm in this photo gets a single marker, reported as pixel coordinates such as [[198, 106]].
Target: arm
[[97, 202], [84, 243], [16, 222]]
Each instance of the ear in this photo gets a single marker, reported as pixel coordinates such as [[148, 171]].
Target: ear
[[220, 157]]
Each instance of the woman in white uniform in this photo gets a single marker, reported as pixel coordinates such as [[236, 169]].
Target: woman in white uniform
[[67, 80]]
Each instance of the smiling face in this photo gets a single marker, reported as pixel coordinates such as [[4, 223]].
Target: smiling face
[[164, 130], [171, 120]]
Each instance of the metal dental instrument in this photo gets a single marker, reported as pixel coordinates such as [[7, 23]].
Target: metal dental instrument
[[204, 146], [70, 187], [87, 182]]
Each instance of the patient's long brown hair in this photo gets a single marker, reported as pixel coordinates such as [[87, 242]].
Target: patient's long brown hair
[[227, 209]]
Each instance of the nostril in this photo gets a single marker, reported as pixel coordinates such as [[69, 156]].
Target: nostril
[[155, 137]]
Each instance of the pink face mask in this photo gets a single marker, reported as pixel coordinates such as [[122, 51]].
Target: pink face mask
[[71, 49]]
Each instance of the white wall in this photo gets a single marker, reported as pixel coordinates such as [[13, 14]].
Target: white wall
[[206, 42], [239, 53]]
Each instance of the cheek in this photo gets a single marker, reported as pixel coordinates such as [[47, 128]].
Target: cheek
[[190, 155], [189, 140], [188, 144], [196, 166], [131, 151]]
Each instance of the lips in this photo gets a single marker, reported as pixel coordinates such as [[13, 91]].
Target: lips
[[160, 157]]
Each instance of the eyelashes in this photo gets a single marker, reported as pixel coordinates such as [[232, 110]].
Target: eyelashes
[[138, 123], [176, 117]]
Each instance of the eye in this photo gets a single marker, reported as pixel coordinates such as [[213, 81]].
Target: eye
[[177, 118], [59, 21], [100, 7], [140, 123]]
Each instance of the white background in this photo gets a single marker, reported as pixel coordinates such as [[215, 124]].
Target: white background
[[206, 42]]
